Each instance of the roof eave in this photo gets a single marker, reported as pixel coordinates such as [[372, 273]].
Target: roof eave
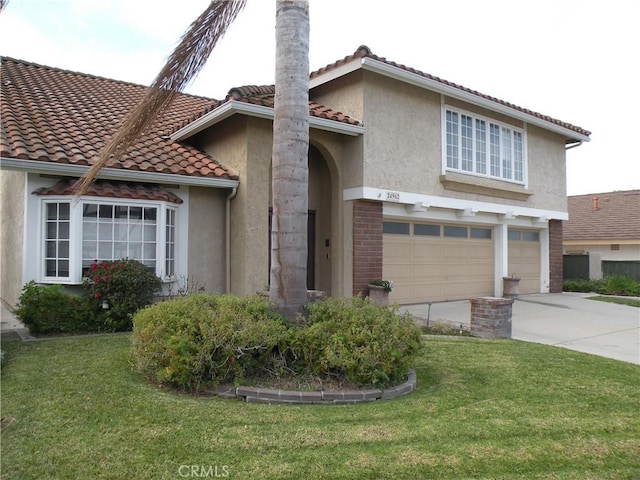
[[233, 107], [391, 71], [49, 168]]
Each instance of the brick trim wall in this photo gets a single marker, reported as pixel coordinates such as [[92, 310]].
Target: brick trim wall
[[491, 317], [555, 256], [367, 244]]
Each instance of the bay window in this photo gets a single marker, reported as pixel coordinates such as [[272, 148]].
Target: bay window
[[481, 146], [76, 234]]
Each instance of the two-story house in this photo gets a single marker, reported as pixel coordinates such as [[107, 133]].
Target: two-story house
[[439, 188]]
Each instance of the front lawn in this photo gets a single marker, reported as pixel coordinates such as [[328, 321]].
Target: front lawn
[[632, 302], [72, 408]]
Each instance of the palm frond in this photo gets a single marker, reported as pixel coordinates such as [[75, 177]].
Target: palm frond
[[182, 65]]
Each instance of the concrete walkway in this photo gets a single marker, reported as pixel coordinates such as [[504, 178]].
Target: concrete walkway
[[9, 324], [566, 320]]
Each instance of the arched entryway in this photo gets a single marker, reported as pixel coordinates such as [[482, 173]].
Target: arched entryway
[[320, 209], [319, 242]]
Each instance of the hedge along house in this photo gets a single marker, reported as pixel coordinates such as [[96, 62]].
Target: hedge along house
[[434, 186]]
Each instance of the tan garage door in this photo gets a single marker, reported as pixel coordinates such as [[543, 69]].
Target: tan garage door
[[437, 262], [524, 259]]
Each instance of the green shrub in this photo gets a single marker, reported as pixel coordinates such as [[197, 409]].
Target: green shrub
[[621, 285], [581, 285], [127, 286], [364, 343], [47, 309], [613, 285], [204, 340], [199, 341]]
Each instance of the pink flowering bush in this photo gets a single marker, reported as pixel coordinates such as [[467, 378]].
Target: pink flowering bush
[[125, 286]]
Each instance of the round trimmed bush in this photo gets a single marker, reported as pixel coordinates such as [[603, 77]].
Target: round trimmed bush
[[361, 342], [202, 340]]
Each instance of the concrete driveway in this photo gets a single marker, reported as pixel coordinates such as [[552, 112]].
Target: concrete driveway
[[568, 320]]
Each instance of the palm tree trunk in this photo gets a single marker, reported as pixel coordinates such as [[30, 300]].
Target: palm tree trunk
[[288, 289]]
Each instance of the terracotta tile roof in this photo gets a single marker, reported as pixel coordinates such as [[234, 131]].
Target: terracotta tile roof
[[603, 216], [365, 52], [104, 188], [54, 115], [264, 95]]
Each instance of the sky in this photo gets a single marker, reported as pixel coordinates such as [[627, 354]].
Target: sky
[[574, 60]]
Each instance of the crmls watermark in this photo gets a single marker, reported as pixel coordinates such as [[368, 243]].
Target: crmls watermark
[[204, 471]]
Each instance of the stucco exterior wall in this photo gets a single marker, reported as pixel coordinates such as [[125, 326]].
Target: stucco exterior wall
[[547, 169], [244, 143], [206, 251], [403, 149], [12, 192], [627, 251], [402, 138], [346, 94]]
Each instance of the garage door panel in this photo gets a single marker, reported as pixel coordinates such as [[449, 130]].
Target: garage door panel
[[399, 273], [426, 252], [422, 275], [397, 249], [524, 263], [430, 268], [480, 252]]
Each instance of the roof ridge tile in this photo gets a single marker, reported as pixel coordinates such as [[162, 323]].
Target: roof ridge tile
[[365, 52]]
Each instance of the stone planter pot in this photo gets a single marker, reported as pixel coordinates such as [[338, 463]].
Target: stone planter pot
[[378, 294], [511, 287], [316, 295]]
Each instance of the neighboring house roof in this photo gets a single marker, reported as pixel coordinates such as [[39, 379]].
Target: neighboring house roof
[[364, 52], [603, 216], [58, 116]]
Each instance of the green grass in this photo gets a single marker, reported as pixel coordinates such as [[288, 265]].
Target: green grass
[[483, 409], [632, 302]]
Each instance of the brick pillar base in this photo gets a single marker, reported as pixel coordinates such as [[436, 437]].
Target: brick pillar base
[[367, 244], [491, 317], [555, 256]]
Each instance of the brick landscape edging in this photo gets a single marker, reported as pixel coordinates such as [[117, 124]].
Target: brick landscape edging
[[324, 397]]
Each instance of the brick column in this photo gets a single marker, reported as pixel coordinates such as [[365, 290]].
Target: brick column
[[555, 256], [491, 317], [367, 244]]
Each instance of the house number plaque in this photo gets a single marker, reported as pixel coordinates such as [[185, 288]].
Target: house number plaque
[[393, 196]]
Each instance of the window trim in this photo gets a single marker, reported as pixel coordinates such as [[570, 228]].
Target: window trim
[[490, 126], [75, 234], [42, 240]]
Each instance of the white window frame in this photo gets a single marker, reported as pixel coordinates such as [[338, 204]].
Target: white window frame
[[75, 235], [495, 149]]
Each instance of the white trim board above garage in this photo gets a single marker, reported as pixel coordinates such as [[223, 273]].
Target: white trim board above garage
[[413, 203]]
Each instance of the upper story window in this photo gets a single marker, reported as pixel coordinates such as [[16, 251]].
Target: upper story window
[[481, 146]]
